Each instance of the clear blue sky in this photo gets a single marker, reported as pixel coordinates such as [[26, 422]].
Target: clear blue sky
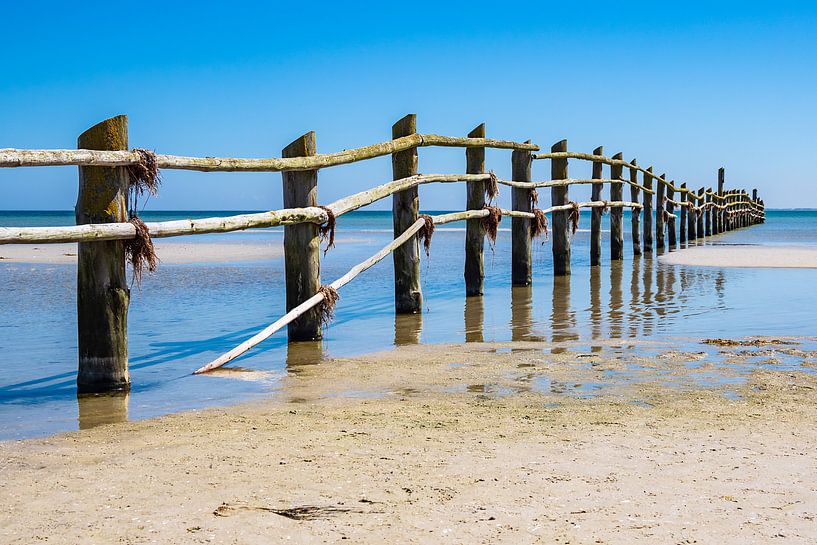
[[685, 86]]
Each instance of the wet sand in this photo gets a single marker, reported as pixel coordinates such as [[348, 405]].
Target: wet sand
[[477, 443], [168, 252], [744, 256]]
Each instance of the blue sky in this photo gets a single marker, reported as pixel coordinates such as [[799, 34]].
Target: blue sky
[[686, 87]]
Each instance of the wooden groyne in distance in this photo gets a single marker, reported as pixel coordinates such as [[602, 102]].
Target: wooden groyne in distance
[[103, 227]]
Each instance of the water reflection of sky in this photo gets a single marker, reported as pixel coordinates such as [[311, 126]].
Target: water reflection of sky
[[185, 315]]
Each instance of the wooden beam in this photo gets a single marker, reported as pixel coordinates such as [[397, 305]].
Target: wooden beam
[[408, 297], [102, 288], [302, 243], [474, 233]]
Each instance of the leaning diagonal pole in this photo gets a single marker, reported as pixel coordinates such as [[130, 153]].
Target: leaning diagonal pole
[[312, 301]]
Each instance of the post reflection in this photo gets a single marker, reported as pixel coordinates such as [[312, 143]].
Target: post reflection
[[647, 295], [635, 304], [595, 307], [100, 409], [563, 319], [407, 328], [474, 319], [616, 313], [522, 314], [302, 354]]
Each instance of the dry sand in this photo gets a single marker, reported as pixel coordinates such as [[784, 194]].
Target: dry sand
[[168, 252], [451, 444], [745, 256]]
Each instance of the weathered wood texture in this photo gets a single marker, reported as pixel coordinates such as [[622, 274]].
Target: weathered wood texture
[[699, 229], [635, 219], [102, 288], [474, 232], [10, 158], [648, 207], [561, 225], [595, 218], [672, 240], [408, 297], [660, 205], [691, 217], [302, 243], [709, 211], [616, 214], [682, 231], [719, 214], [521, 266]]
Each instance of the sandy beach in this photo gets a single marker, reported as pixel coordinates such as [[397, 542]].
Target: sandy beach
[[438, 444], [168, 252], [790, 257]]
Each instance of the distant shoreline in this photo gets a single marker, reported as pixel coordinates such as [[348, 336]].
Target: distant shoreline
[[749, 256]]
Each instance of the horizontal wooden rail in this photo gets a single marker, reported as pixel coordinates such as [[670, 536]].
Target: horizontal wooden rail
[[32, 158], [260, 220], [627, 164]]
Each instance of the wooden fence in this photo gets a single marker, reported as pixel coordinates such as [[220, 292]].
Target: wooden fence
[[111, 176]]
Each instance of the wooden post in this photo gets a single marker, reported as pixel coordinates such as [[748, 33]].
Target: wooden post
[[559, 196], [635, 213], [102, 288], [721, 212], [709, 212], [595, 217], [302, 243], [660, 188], [700, 227], [755, 201], [671, 238], [691, 218], [521, 270], [474, 233], [616, 214], [682, 229], [408, 298], [648, 213]]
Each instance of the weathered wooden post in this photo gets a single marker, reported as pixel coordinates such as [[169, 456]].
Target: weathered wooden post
[[699, 230], [521, 268], [474, 233], [709, 212], [721, 211], [102, 288], [560, 196], [595, 213], [671, 239], [616, 214], [635, 214], [648, 212], [302, 243], [682, 229], [754, 207], [660, 205], [408, 297], [692, 222]]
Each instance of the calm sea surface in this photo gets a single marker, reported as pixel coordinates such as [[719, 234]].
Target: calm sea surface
[[186, 315]]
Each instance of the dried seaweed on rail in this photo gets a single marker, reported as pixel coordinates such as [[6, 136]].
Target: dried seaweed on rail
[[490, 223], [574, 216], [144, 176], [534, 197], [426, 232], [539, 225], [492, 186], [330, 299], [139, 251], [328, 228]]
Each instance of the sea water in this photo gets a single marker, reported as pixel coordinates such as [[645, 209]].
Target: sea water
[[183, 316]]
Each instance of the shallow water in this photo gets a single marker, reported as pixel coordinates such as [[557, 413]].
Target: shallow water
[[185, 315]]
